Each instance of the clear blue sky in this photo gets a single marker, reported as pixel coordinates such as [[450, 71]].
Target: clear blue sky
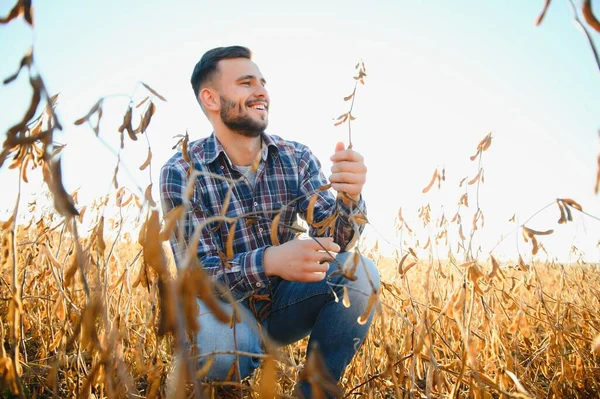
[[441, 76]]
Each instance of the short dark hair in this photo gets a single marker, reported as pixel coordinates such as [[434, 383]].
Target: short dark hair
[[206, 68]]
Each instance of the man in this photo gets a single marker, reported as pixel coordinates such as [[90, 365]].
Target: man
[[286, 287]]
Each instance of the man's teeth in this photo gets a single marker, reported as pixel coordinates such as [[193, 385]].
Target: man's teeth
[[257, 106]]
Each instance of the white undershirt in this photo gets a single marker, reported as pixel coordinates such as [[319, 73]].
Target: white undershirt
[[247, 172]]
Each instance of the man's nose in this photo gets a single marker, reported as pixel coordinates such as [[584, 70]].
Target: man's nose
[[261, 91]]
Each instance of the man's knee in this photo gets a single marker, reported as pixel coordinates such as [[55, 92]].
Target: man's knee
[[215, 341], [222, 364], [366, 273], [372, 273]]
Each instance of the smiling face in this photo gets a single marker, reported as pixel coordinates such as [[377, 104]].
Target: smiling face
[[243, 99]]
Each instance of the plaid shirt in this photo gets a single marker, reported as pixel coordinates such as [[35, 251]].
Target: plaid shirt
[[287, 171]]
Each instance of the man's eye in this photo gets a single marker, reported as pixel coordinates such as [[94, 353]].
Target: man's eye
[[246, 83]]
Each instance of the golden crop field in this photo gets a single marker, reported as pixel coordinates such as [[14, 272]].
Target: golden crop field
[[92, 306], [442, 329]]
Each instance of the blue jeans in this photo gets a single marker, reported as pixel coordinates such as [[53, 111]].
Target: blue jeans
[[296, 311]]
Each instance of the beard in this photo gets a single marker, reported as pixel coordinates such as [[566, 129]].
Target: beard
[[239, 122]]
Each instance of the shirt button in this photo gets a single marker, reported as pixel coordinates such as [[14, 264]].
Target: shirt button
[[258, 285], [256, 204], [222, 167], [260, 229]]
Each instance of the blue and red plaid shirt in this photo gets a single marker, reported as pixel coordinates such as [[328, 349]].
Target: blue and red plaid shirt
[[287, 170]]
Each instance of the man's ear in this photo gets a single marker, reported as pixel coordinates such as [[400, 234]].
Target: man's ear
[[209, 99]]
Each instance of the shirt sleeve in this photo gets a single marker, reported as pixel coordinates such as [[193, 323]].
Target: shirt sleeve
[[343, 230], [243, 273]]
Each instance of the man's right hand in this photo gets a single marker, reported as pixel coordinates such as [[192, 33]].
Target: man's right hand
[[300, 259]]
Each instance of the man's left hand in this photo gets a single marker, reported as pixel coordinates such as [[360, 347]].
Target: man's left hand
[[348, 172]]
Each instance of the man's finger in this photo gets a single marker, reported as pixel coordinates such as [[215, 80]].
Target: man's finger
[[326, 259], [346, 155], [351, 178], [351, 189], [313, 277], [339, 146], [326, 242], [308, 268], [315, 267], [347, 166], [318, 256]]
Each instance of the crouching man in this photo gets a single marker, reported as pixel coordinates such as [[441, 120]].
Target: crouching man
[[288, 289]]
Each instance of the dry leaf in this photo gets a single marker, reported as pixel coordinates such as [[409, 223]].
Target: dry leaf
[[227, 200], [476, 178], [230, 237], [205, 368], [569, 215], [171, 219], [563, 217], [400, 269], [59, 308], [474, 157], [184, 147], [433, 179], [531, 233], [373, 299], [485, 143], [341, 119], [142, 102], [543, 13], [168, 307], [126, 125], [148, 195], [350, 266], [596, 345], [100, 235], [275, 229], [96, 109], [70, 272], [146, 118], [23, 7], [588, 14], [153, 252], [412, 252], [358, 218], [311, 208], [346, 298], [572, 203], [495, 268], [191, 182], [407, 268], [148, 160], [63, 202], [428, 243], [26, 61], [151, 90], [268, 381], [232, 373], [37, 85], [518, 385], [460, 233]]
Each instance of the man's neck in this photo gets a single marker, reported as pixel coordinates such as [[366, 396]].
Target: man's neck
[[242, 150]]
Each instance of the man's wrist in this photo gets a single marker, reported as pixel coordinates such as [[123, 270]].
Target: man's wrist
[[268, 261], [348, 199]]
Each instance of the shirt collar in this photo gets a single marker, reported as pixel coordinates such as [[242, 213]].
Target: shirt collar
[[213, 148]]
